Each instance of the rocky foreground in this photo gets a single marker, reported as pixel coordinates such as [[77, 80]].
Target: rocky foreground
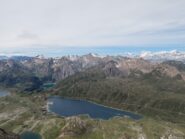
[[8, 135]]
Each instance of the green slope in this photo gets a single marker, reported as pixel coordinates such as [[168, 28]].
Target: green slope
[[152, 94]]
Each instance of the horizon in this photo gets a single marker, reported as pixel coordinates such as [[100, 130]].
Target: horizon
[[64, 51]]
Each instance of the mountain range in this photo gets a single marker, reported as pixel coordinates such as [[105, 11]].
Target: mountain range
[[19, 69], [148, 55]]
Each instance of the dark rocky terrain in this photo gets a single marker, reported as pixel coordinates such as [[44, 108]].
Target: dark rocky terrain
[[7, 135]]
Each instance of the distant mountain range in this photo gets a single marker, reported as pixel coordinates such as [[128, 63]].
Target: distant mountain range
[[39, 69], [164, 55], [148, 55]]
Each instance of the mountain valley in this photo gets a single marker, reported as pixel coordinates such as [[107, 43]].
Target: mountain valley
[[152, 89]]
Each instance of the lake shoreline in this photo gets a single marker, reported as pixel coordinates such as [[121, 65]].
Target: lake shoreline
[[97, 103], [128, 114]]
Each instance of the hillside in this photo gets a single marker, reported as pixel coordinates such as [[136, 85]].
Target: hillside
[[153, 94]]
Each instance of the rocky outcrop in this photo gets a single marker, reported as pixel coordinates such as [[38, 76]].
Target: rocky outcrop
[[74, 126], [173, 135], [7, 135], [110, 69]]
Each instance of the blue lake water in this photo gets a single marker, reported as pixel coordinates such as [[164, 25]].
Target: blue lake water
[[30, 135], [4, 93], [70, 107]]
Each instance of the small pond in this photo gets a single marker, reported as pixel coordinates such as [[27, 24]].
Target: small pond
[[30, 135]]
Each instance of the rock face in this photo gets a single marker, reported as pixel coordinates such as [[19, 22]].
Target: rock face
[[8, 135], [172, 135], [110, 69]]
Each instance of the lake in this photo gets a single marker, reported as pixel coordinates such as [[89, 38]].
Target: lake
[[70, 107], [4, 93], [30, 135]]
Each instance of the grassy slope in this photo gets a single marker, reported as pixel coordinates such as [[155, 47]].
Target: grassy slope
[[23, 113]]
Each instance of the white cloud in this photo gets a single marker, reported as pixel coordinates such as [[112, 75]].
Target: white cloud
[[91, 23], [25, 35]]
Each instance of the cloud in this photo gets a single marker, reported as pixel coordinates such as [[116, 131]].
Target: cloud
[[91, 23], [25, 35]]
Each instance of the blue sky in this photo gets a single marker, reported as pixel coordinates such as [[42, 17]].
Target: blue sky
[[56, 26]]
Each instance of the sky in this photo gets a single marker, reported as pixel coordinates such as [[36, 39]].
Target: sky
[[53, 27]]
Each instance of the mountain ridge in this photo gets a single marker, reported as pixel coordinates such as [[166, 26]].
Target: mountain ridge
[[56, 69]]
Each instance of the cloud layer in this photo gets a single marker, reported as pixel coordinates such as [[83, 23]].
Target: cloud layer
[[25, 23]]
